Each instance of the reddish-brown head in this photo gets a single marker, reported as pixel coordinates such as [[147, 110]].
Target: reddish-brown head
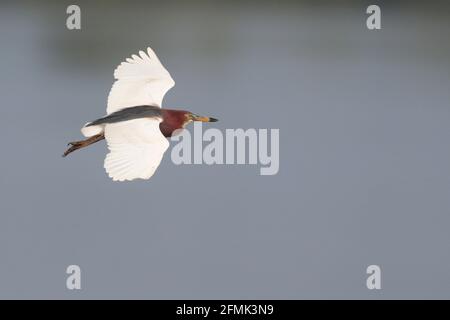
[[178, 119]]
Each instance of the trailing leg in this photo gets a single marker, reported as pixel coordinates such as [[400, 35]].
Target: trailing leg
[[83, 143]]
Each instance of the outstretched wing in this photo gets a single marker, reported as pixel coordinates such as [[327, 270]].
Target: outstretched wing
[[136, 148], [141, 80]]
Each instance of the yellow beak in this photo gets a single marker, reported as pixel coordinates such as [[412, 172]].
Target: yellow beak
[[203, 119]]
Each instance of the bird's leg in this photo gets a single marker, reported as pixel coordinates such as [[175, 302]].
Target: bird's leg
[[83, 143]]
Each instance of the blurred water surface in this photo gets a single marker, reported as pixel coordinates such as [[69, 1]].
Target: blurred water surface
[[364, 153]]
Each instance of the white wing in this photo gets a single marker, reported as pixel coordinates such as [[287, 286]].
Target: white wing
[[136, 148], [141, 80]]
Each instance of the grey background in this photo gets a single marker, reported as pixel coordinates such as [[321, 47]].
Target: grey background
[[364, 153]]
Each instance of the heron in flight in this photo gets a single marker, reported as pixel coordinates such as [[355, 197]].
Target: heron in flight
[[135, 127]]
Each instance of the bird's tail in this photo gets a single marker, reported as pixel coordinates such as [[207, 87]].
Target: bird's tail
[[83, 143]]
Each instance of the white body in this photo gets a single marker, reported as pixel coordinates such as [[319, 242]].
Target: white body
[[136, 146]]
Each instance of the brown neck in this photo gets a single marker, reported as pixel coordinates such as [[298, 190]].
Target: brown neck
[[172, 120]]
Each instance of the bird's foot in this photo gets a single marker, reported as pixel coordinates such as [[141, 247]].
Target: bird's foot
[[75, 145]]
